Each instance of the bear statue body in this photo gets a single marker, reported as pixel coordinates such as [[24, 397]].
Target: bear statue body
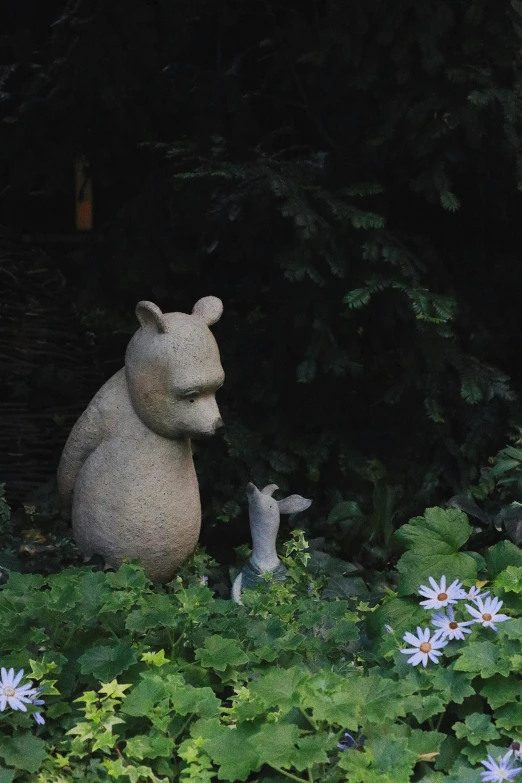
[[126, 474]]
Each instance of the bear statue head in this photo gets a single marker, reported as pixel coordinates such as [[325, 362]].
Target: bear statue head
[[173, 370]]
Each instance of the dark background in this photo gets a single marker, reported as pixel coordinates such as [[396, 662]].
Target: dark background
[[281, 157]]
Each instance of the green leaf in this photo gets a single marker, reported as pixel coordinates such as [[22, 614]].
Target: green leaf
[[422, 742], [6, 775], [509, 716], [476, 728], [502, 555], [151, 690], [306, 371], [357, 298], [501, 690], [347, 509], [510, 580], [219, 652], [276, 744], [24, 751], [384, 760], [415, 569], [441, 531], [312, 750], [449, 201], [107, 662], [232, 751], [434, 540], [484, 658], [150, 746], [186, 698], [278, 687], [455, 686]]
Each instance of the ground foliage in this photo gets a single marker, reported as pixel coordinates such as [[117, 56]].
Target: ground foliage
[[346, 177], [175, 684]]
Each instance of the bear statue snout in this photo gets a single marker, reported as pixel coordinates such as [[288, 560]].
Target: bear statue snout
[[219, 423]]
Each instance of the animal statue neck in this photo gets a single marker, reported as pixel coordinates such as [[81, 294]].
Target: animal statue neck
[[264, 534]]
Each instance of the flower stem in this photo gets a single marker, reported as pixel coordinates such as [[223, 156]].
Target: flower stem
[[288, 774]]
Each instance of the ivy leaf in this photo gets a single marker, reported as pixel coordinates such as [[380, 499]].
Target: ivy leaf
[[484, 658], [24, 751], [219, 652], [476, 728], [107, 662]]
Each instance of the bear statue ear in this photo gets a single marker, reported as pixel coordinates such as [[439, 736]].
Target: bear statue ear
[[209, 309], [149, 314]]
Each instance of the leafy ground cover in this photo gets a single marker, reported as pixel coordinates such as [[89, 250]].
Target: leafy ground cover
[[308, 680]]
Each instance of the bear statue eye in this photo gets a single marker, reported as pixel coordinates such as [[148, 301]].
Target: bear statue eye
[[190, 396]]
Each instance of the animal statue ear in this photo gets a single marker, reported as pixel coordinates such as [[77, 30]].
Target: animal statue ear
[[293, 503], [149, 314], [269, 489], [209, 309]]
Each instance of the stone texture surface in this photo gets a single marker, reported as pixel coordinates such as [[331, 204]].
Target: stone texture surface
[[265, 515], [126, 474]]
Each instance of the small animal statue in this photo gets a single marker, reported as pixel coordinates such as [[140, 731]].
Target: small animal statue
[[126, 474], [264, 513]]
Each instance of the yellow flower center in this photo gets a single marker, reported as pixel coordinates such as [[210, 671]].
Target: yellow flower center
[[453, 625], [442, 597], [425, 647], [487, 617], [9, 691]]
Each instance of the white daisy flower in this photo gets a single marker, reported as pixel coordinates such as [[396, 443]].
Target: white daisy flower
[[449, 628], [500, 770], [440, 595], [486, 612], [11, 693], [473, 593], [423, 646]]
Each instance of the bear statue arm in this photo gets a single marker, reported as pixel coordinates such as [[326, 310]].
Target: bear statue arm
[[85, 437]]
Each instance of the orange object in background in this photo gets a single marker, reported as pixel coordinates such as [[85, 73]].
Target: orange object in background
[[83, 195]]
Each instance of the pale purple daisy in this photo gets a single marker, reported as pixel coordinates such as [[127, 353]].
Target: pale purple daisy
[[486, 612], [37, 702], [423, 646], [449, 628], [440, 595], [11, 693], [473, 593], [500, 770]]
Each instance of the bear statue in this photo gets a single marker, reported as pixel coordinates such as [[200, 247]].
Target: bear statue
[[126, 474]]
